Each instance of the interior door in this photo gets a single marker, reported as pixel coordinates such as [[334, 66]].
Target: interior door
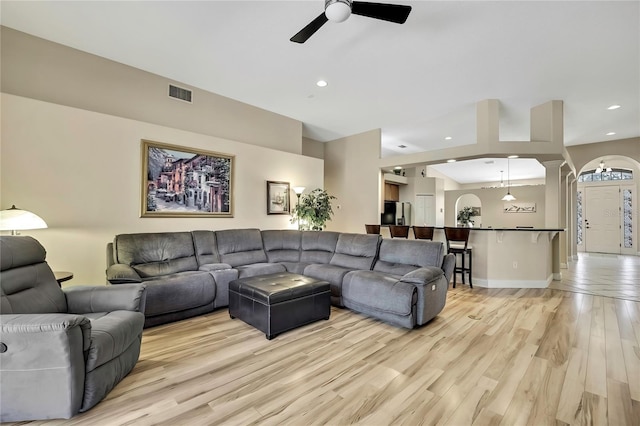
[[425, 210], [602, 219]]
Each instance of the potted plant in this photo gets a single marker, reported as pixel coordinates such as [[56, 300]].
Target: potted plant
[[465, 215], [313, 210]]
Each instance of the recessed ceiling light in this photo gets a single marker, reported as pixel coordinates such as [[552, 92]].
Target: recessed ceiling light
[[611, 133], [451, 161], [448, 138], [614, 107], [512, 156], [321, 83]]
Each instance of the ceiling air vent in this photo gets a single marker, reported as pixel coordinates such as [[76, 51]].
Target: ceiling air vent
[[180, 93]]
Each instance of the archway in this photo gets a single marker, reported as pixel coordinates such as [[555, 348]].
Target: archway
[[469, 200], [606, 205]]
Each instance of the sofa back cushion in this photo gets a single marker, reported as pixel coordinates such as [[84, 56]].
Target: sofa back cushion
[[282, 245], [240, 246], [318, 246], [156, 254], [205, 246], [356, 251], [400, 257], [27, 284]]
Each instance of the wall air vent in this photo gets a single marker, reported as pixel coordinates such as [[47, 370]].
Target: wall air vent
[[179, 93]]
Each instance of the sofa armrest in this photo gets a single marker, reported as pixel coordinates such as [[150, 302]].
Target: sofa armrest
[[89, 299], [119, 273], [33, 326], [42, 365], [422, 276], [210, 267], [448, 264]]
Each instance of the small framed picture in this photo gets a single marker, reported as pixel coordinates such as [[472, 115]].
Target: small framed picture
[[278, 197]]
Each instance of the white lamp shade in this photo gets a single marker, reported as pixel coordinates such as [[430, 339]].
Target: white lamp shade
[[15, 219], [508, 197], [298, 189], [337, 11]]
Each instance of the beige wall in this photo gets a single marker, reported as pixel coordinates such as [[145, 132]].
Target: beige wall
[[40, 69], [583, 154], [492, 207], [353, 176], [312, 148], [80, 171]]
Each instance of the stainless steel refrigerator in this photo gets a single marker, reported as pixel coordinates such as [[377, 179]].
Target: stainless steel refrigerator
[[396, 213]]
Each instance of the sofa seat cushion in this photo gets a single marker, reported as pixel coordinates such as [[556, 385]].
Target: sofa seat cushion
[[259, 269], [295, 267], [111, 334], [178, 292], [331, 273], [365, 291], [212, 267]]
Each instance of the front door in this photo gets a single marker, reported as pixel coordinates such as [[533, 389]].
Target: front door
[[602, 219]]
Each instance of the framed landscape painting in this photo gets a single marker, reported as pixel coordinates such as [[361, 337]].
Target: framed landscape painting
[[278, 199], [185, 182]]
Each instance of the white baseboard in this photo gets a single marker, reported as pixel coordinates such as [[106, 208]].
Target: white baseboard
[[493, 283]]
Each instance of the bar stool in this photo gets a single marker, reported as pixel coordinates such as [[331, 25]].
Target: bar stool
[[458, 244], [399, 231], [423, 232], [372, 229]]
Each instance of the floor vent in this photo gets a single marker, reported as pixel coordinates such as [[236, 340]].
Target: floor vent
[[180, 93]]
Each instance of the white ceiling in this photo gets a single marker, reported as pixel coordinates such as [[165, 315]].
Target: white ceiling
[[419, 82]]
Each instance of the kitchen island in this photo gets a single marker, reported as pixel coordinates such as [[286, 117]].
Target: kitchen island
[[513, 257]]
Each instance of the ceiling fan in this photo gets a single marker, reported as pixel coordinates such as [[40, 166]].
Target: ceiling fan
[[340, 10]]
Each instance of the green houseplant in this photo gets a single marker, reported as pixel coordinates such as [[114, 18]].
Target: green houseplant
[[313, 210], [465, 215]]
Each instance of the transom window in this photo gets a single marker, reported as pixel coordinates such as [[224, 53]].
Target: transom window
[[614, 174]]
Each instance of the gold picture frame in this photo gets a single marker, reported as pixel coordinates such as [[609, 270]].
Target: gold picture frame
[[185, 182]]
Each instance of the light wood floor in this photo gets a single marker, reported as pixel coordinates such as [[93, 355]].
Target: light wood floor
[[512, 357], [602, 275]]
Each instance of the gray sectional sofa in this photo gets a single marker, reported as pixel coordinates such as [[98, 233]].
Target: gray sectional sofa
[[402, 282]]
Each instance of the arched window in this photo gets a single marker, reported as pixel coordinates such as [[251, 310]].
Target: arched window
[[614, 174]]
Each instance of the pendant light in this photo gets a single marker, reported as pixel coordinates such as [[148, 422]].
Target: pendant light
[[601, 168], [508, 196]]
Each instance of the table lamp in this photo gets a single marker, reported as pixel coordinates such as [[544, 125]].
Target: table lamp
[[15, 219]]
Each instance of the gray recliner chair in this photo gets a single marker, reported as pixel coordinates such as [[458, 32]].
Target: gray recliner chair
[[61, 351]]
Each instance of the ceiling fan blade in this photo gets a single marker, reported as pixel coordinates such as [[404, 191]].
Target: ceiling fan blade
[[387, 12], [310, 29]]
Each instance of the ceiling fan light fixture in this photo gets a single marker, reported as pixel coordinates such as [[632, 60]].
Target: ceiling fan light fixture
[[337, 10]]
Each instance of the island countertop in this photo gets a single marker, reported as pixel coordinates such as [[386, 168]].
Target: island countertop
[[508, 229]]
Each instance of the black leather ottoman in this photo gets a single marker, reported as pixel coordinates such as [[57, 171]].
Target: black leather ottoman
[[276, 303]]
